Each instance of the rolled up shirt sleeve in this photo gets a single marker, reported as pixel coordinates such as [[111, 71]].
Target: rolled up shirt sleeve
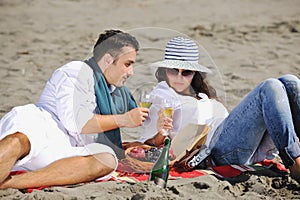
[[75, 97]]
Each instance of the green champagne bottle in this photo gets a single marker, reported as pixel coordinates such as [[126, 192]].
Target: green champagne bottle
[[160, 170]]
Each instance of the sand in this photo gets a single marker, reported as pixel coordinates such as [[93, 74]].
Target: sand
[[243, 42]]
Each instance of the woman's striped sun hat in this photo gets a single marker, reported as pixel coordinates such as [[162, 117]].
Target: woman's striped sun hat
[[182, 53]]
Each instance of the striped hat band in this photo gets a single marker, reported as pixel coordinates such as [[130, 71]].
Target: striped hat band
[[183, 49], [182, 53]]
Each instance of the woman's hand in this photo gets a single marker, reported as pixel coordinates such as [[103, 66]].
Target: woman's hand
[[163, 123]]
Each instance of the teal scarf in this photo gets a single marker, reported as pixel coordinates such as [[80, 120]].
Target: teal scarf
[[117, 102]]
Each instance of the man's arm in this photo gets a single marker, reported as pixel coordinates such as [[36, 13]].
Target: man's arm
[[100, 123]]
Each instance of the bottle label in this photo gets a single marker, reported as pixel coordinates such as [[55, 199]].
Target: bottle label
[[160, 182], [198, 158]]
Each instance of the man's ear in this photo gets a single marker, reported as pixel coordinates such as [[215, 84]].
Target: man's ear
[[108, 59]]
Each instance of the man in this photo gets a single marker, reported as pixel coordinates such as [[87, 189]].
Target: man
[[81, 98]]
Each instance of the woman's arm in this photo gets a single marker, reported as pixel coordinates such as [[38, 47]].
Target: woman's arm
[[156, 140], [163, 124]]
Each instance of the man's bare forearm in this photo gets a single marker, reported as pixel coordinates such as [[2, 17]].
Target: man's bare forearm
[[102, 123]]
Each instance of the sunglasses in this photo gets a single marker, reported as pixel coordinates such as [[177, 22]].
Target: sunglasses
[[175, 72]]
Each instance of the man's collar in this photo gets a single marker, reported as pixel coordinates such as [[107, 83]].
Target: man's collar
[[111, 88]]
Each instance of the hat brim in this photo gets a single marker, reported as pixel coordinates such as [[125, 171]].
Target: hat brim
[[178, 64]]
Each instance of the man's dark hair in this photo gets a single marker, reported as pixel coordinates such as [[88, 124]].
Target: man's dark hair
[[112, 42]]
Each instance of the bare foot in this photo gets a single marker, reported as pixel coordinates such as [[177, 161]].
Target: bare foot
[[295, 170]]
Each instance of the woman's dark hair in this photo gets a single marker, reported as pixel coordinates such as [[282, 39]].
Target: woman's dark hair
[[198, 84], [112, 42]]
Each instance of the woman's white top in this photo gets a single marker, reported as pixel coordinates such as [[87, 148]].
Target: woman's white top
[[187, 110]]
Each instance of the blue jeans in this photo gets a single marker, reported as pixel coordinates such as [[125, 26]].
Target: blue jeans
[[266, 121]]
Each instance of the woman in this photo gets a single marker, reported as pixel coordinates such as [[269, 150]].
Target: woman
[[264, 124]]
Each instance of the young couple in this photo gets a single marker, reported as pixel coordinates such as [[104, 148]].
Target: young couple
[[83, 98]]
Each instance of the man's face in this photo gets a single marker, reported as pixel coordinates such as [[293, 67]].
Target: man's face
[[122, 68]]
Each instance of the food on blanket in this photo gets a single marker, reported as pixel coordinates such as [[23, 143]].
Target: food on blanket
[[147, 155], [152, 154], [137, 152]]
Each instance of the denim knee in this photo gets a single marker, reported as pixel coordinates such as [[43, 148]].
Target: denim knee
[[272, 84], [288, 77]]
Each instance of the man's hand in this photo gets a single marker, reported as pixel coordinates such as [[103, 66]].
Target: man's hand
[[134, 117]]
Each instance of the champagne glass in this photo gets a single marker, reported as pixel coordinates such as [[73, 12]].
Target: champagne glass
[[168, 110], [145, 100]]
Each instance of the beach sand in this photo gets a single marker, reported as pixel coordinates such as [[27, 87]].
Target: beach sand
[[243, 42]]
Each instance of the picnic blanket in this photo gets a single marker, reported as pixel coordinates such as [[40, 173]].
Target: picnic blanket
[[125, 173]]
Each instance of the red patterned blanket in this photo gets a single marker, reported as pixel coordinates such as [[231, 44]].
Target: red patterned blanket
[[125, 173]]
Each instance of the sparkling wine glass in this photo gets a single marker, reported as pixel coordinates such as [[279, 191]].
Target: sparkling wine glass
[[145, 100], [168, 110]]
